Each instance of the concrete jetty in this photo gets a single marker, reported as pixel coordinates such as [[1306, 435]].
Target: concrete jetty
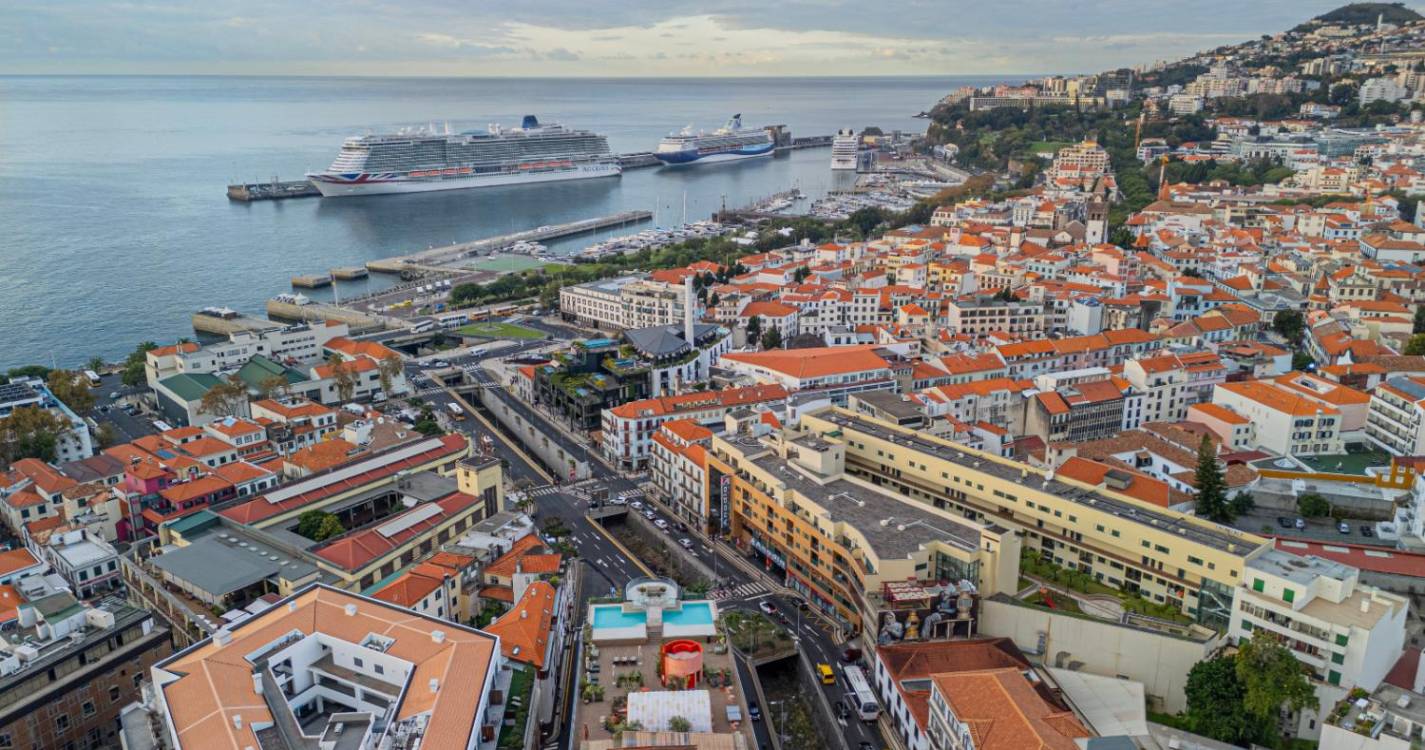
[[434, 258], [348, 273], [312, 280], [223, 321], [300, 309]]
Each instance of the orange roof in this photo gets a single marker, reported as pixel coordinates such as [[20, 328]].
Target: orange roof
[[687, 430], [1277, 397], [185, 491], [353, 348], [1139, 486], [25, 498], [10, 601], [767, 310], [187, 347], [524, 630], [323, 455], [205, 446], [1218, 412], [1004, 711], [44, 476], [815, 362], [528, 546], [407, 590], [357, 550], [698, 401], [238, 472], [211, 683], [15, 560]]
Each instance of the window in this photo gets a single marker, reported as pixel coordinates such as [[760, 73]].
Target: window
[[1258, 585], [61, 722], [1338, 658], [1334, 677], [379, 669], [114, 692], [357, 661], [1288, 595], [1341, 640], [5, 740], [88, 708]]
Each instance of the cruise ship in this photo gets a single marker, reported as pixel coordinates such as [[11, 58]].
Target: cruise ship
[[728, 143], [420, 161], [845, 149]]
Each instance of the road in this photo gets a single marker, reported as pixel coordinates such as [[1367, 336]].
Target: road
[[126, 428], [606, 567]]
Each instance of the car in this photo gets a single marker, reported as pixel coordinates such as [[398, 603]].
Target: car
[[636, 505], [683, 527], [113, 395], [851, 654], [1300, 523], [686, 543], [842, 712], [1284, 522], [649, 514], [1343, 527], [1366, 530], [754, 712], [661, 524], [616, 501], [767, 607], [440, 363]]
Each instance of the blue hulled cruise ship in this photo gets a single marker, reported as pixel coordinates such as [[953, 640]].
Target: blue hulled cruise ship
[[728, 143]]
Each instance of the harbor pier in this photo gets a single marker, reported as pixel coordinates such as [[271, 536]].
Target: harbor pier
[[435, 258]]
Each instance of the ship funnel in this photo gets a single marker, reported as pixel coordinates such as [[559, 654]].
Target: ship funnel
[[530, 121]]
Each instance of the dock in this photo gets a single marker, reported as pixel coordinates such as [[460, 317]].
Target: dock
[[223, 321], [299, 309], [349, 273], [271, 191], [435, 259], [637, 160], [312, 280]]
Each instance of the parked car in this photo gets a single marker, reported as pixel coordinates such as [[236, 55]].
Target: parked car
[[686, 542], [1284, 522], [1300, 523], [754, 712], [636, 505], [1367, 531], [616, 501], [683, 527], [851, 654], [649, 514], [661, 524], [1343, 527], [767, 607]]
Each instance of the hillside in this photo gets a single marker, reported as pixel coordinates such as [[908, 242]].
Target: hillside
[[1367, 13]]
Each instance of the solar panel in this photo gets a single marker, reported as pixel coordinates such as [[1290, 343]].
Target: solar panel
[[406, 521], [361, 467]]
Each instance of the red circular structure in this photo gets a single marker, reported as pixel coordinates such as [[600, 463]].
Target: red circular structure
[[682, 658]]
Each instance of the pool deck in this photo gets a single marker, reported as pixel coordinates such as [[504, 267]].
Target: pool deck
[[644, 660]]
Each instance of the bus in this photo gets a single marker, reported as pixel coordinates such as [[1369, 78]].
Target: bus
[[455, 410], [93, 378], [858, 694]]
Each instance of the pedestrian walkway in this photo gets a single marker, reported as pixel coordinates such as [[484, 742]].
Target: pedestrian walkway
[[546, 490], [745, 591]]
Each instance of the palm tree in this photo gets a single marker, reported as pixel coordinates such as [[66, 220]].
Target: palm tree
[[389, 368], [345, 380]]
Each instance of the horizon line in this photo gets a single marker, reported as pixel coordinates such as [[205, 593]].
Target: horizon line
[[527, 77]]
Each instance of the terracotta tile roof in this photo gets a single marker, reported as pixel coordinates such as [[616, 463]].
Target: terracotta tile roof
[[1004, 711], [323, 455], [200, 487], [1217, 411], [355, 551], [45, 477], [698, 401], [25, 498], [238, 472], [504, 565], [524, 630], [407, 590], [15, 560], [498, 593], [815, 362], [1277, 398], [213, 682]]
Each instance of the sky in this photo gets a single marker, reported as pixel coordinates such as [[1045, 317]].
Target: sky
[[562, 38]]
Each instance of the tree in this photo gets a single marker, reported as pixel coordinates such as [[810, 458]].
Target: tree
[[1289, 324], [1242, 503], [318, 525], [426, 424], [713, 299], [772, 339], [754, 328], [342, 376], [71, 388], [1302, 361], [1416, 344], [226, 399], [679, 724], [389, 367], [30, 432], [1271, 677], [95, 363], [133, 373], [272, 386], [1419, 324], [106, 437], [1211, 487], [1215, 703], [1313, 505]]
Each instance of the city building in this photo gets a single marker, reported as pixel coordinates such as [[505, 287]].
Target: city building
[[72, 444], [1396, 416], [1284, 421], [678, 468], [835, 371], [328, 668], [627, 430]]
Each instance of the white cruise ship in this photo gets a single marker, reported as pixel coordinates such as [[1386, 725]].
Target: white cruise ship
[[845, 149], [418, 162], [730, 142]]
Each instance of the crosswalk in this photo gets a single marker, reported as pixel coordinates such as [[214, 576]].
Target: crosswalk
[[548, 489], [745, 591]]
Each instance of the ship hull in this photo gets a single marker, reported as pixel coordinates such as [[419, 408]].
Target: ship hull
[[843, 163], [689, 157], [353, 185]]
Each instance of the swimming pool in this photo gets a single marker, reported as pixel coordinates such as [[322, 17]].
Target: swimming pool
[[613, 616], [693, 613]]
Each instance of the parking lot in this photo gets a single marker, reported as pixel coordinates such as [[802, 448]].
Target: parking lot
[[1358, 531]]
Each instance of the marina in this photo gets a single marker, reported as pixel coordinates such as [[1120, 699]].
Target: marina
[[435, 259]]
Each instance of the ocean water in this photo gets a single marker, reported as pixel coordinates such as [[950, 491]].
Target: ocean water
[[115, 228]]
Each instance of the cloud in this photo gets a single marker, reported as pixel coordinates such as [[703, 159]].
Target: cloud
[[577, 37]]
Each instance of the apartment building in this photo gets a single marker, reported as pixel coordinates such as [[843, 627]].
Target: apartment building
[[633, 301], [1024, 715], [1347, 634], [1082, 411], [628, 429], [1284, 421], [74, 443], [331, 668], [1171, 383], [297, 344], [678, 468], [861, 554], [68, 669], [985, 315], [1395, 420], [1123, 542]]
